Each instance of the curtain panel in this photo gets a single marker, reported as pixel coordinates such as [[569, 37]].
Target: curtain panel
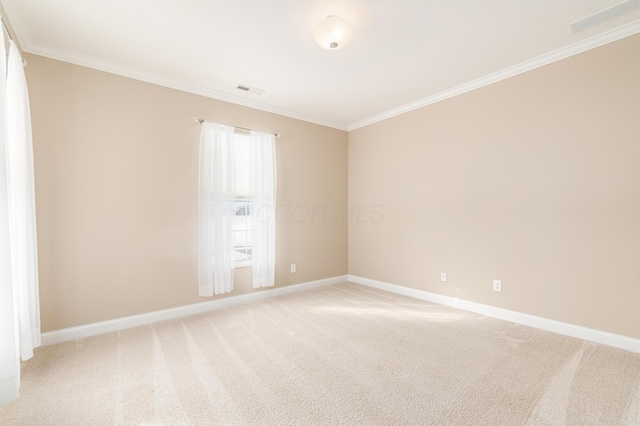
[[263, 215], [22, 206], [19, 300], [9, 360], [216, 209]]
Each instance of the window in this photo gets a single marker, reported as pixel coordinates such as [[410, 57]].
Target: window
[[236, 207], [242, 231]]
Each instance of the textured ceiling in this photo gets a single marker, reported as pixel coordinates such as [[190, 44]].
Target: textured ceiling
[[404, 53]]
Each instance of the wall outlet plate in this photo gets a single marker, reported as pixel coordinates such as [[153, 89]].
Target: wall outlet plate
[[443, 277], [293, 268], [497, 285]]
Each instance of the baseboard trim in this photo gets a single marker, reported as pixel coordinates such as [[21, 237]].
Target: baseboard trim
[[80, 332], [592, 335]]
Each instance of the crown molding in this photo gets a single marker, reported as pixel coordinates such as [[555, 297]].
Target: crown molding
[[548, 58], [172, 84]]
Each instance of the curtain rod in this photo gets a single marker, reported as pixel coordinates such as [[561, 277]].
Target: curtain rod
[[240, 129]]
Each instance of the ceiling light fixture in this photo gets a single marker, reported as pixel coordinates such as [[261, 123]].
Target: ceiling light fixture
[[332, 32]]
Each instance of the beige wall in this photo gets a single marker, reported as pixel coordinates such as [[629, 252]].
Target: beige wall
[[116, 165], [534, 180]]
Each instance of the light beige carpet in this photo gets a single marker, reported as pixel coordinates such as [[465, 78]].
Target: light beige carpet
[[343, 354]]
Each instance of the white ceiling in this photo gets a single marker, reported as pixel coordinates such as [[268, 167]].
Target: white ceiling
[[404, 53]]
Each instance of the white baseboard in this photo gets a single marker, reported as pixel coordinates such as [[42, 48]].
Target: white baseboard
[[615, 340], [73, 333], [80, 332]]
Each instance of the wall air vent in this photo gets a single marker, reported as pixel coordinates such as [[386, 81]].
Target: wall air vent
[[605, 15], [249, 89]]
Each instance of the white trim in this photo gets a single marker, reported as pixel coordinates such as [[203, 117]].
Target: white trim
[[173, 84], [597, 336], [73, 333], [548, 58]]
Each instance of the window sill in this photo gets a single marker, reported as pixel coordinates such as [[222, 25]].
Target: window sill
[[242, 264]]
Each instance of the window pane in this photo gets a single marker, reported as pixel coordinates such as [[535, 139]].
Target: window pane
[[242, 223], [242, 230], [241, 238]]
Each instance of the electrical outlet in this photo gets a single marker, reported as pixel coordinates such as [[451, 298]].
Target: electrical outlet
[[443, 277], [497, 285], [293, 268]]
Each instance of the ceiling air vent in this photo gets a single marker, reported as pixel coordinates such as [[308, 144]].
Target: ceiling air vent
[[249, 89], [605, 15]]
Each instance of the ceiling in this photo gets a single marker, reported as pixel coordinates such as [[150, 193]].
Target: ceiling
[[404, 53]]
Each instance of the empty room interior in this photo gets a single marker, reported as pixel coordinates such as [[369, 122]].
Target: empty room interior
[[320, 212]]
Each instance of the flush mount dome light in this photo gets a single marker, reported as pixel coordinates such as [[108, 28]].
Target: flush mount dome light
[[332, 32]]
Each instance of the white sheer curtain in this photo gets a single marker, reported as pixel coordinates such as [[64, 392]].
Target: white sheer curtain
[[9, 360], [216, 209], [263, 214], [22, 206], [19, 300]]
